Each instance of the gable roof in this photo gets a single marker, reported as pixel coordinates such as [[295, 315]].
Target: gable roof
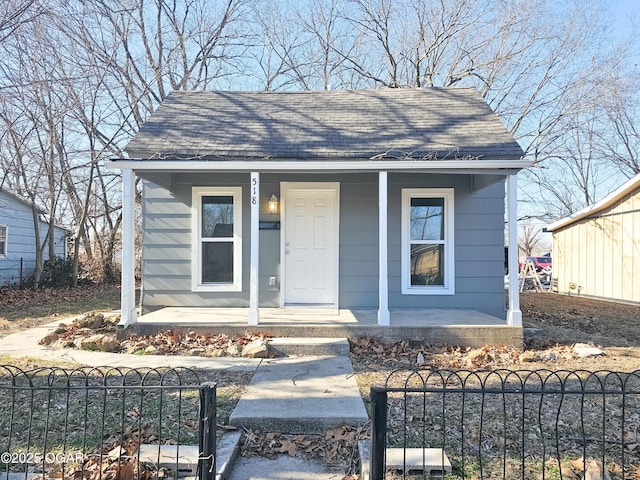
[[28, 204], [18, 198], [622, 191], [416, 123]]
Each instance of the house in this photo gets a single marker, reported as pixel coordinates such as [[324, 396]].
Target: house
[[596, 251], [380, 200], [18, 240]]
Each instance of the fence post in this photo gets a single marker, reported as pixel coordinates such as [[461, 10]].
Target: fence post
[[378, 432], [207, 433]]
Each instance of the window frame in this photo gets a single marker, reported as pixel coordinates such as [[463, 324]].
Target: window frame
[[447, 194], [197, 193], [5, 252]]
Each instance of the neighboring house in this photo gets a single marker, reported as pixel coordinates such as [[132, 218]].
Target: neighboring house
[[377, 199], [18, 240], [596, 251]]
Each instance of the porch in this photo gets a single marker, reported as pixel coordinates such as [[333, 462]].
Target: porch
[[432, 326]]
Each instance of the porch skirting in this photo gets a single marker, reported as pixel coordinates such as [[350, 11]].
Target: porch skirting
[[431, 326]]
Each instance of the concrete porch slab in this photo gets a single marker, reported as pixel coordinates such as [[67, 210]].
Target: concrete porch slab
[[431, 326]]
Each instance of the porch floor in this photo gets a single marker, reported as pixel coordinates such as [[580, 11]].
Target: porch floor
[[433, 326]]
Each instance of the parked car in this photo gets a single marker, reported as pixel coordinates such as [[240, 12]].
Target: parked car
[[541, 263]]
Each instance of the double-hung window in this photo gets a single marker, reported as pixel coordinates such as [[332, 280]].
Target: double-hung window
[[427, 241], [4, 230], [217, 239]]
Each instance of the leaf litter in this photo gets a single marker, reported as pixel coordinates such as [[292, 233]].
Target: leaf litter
[[336, 447]]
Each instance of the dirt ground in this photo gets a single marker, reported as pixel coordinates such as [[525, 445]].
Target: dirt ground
[[567, 319], [555, 322]]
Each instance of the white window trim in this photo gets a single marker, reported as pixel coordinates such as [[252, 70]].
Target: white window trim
[[6, 241], [449, 244], [196, 253]]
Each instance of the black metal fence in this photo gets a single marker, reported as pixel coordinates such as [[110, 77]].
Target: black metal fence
[[506, 424], [106, 423]]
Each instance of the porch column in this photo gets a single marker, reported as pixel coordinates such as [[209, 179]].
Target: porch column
[[254, 315], [128, 288], [514, 315], [383, 282]]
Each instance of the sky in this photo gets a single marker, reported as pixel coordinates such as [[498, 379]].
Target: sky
[[625, 12]]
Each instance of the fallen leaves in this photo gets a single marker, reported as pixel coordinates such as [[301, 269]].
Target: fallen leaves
[[97, 332], [404, 355], [337, 446], [177, 342]]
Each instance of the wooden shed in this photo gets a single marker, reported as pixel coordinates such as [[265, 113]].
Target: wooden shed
[[596, 251]]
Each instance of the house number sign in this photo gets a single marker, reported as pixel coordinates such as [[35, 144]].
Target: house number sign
[[254, 188]]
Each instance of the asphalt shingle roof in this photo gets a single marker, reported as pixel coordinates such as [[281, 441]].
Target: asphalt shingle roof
[[430, 123]]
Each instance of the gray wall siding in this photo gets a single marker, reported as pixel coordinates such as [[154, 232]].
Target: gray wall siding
[[359, 240], [21, 240], [166, 226], [479, 251]]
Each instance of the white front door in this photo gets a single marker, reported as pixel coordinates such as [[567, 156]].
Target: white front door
[[310, 244]]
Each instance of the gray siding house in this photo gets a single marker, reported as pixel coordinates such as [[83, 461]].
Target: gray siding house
[[18, 240], [378, 200]]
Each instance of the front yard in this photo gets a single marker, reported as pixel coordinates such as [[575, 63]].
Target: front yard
[[553, 324]]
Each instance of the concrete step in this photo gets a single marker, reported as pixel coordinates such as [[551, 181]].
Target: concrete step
[[309, 346], [305, 394]]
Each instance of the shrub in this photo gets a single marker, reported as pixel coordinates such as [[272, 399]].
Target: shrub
[[59, 274]]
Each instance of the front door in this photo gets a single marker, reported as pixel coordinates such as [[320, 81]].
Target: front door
[[310, 244]]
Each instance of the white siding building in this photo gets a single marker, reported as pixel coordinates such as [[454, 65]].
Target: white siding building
[[596, 251]]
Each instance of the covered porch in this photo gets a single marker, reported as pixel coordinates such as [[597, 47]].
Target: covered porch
[[432, 326]]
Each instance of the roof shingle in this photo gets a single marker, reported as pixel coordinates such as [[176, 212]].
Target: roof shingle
[[433, 123]]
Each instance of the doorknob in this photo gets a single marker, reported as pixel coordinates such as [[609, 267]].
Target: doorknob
[[286, 252], [286, 244]]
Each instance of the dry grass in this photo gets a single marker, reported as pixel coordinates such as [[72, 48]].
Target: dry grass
[[49, 410], [23, 309], [563, 421]]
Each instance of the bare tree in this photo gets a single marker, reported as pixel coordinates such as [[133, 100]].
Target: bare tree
[[528, 239]]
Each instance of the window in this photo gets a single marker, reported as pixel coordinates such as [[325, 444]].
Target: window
[[427, 242], [217, 239], [4, 230]]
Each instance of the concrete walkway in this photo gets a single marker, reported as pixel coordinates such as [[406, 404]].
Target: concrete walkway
[[25, 344], [302, 394], [295, 394]]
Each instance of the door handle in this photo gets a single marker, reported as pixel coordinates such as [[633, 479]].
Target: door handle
[[287, 252], [286, 244]]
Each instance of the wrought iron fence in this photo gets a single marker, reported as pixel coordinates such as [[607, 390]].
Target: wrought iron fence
[[106, 423], [506, 424]]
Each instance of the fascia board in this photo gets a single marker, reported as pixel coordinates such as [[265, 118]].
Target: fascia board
[[290, 165]]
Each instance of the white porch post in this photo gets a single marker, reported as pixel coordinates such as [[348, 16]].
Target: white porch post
[[514, 315], [383, 282], [128, 288], [254, 315]]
